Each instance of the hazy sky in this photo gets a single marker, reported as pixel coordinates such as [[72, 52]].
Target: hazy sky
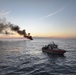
[[42, 17]]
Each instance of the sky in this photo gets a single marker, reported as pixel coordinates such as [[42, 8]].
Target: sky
[[42, 18]]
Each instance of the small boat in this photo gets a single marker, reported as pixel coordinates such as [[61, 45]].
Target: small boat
[[53, 49], [28, 36]]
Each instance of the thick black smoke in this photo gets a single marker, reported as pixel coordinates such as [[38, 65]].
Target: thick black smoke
[[16, 28], [1, 27]]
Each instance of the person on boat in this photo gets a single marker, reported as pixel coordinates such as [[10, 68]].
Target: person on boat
[[46, 47], [50, 46]]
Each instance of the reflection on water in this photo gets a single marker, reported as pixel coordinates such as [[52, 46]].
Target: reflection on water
[[24, 57]]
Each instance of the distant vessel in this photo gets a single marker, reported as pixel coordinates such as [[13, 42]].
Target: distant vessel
[[28, 36], [53, 49]]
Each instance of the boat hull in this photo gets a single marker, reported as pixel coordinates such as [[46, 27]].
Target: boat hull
[[57, 52]]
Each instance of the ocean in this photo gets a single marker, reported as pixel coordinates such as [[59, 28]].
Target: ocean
[[25, 57]]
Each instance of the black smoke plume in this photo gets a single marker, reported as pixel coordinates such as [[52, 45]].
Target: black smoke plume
[[16, 28]]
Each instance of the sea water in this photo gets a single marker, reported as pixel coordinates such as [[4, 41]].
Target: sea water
[[25, 57]]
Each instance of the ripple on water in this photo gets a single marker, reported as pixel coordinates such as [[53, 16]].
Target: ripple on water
[[26, 58]]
